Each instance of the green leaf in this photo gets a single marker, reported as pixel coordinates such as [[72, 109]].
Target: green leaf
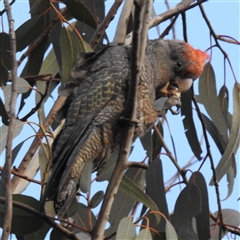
[[85, 180], [156, 191], [96, 199], [226, 160], [4, 132], [79, 11], [22, 85], [38, 235], [16, 150], [223, 98], [105, 173], [50, 65], [144, 234], [124, 202], [208, 97], [29, 31], [230, 217], [70, 46], [189, 125], [170, 232], [36, 57], [5, 60], [3, 113], [23, 222], [81, 218], [146, 142], [157, 144], [133, 190], [126, 229]]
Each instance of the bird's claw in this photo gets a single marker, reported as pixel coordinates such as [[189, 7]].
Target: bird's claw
[[172, 101]]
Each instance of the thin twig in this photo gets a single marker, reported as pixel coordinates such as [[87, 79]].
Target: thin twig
[[169, 27], [211, 163], [179, 8], [212, 32], [6, 176], [41, 215], [105, 23], [38, 105], [15, 172], [37, 140], [40, 38], [173, 28], [125, 147], [180, 170]]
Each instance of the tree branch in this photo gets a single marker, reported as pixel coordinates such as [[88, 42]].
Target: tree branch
[[41, 215], [130, 113], [14, 172], [104, 25], [6, 177], [37, 140], [121, 28]]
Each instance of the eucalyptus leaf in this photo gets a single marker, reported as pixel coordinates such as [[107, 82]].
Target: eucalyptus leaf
[[225, 162], [23, 222], [208, 97], [4, 132], [126, 229]]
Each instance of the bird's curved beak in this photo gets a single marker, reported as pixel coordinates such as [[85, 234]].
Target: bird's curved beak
[[175, 87], [183, 84]]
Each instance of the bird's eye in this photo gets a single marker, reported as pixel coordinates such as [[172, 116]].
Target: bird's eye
[[178, 64]]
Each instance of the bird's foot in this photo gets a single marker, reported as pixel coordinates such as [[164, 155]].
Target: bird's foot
[[172, 101]]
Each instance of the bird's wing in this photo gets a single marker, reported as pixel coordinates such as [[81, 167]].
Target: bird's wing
[[103, 82]]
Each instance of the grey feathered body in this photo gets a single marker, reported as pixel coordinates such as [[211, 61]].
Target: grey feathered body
[[93, 127]]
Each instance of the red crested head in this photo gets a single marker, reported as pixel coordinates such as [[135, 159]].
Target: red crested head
[[198, 59]]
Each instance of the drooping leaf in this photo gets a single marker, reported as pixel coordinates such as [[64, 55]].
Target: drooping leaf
[[170, 232], [22, 85], [156, 190], [7, 96], [50, 65], [55, 35], [85, 180], [144, 234], [226, 160], [125, 198], [146, 142], [3, 113], [96, 199], [55, 234], [126, 229], [16, 150], [156, 143], [130, 188], [208, 97], [29, 31], [223, 98], [105, 172], [4, 132], [36, 56], [70, 47], [79, 11], [202, 219], [5, 58], [188, 205], [23, 222], [81, 218], [230, 217], [40, 234], [189, 125]]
